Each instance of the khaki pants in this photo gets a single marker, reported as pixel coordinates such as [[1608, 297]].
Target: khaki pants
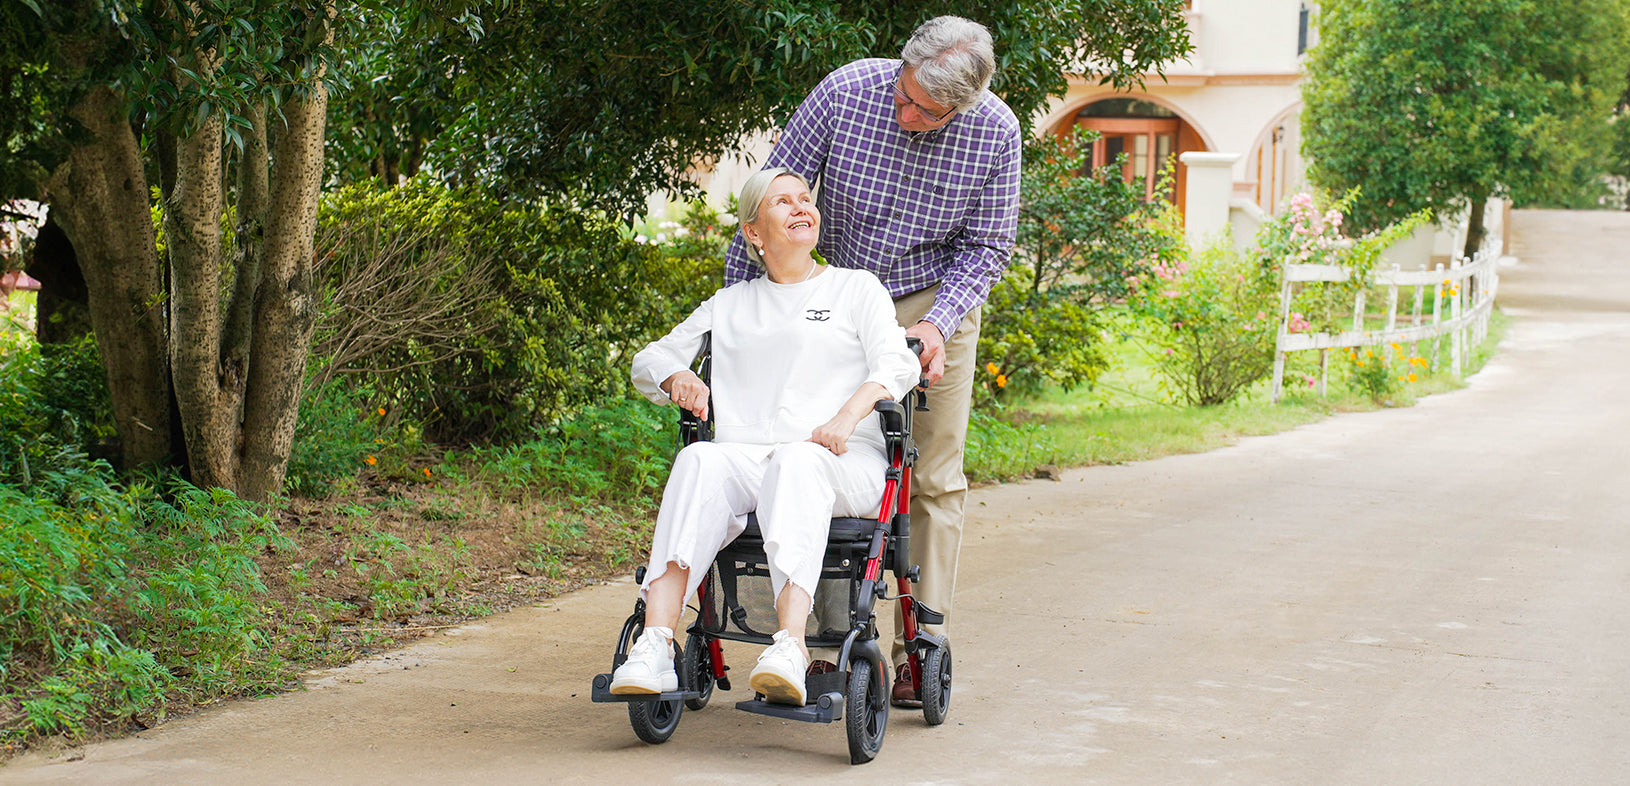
[[938, 487]]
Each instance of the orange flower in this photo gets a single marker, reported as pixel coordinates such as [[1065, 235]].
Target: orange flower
[[991, 367], [427, 472], [381, 411], [1411, 376], [371, 461], [1001, 380]]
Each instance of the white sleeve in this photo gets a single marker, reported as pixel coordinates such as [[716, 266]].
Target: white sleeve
[[672, 353], [889, 362]]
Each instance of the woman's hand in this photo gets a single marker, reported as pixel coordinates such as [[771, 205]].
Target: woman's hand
[[834, 434], [688, 391]]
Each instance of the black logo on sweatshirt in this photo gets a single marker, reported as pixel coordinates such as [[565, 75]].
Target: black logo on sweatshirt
[[818, 314]]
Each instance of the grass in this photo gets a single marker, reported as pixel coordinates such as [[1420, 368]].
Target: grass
[[1125, 416]]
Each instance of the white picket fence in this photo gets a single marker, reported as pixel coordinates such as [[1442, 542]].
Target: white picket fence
[[1470, 284]]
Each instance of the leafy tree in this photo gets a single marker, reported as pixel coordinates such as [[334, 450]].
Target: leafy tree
[[217, 104], [1442, 104], [604, 101]]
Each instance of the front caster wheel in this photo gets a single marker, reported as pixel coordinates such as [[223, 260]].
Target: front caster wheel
[[653, 721], [865, 711], [936, 690]]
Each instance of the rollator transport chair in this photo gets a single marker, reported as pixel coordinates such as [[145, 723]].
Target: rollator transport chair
[[735, 602]]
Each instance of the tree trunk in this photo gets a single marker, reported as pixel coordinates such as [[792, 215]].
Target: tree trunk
[[206, 395], [285, 312], [1474, 227], [99, 196]]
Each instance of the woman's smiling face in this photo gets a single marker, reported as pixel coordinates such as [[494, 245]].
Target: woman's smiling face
[[787, 217]]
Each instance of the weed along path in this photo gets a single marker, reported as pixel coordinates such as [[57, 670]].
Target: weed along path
[[1438, 594]]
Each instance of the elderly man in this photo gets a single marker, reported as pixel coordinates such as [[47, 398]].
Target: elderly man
[[917, 165]]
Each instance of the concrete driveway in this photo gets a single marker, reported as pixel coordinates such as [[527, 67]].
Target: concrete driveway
[[1427, 595]]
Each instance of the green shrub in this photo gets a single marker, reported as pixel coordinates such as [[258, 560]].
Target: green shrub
[[335, 433], [486, 322], [196, 603], [1032, 340], [1082, 235], [53, 406], [1212, 322]]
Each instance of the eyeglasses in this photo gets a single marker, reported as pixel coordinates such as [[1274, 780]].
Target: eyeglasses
[[901, 99]]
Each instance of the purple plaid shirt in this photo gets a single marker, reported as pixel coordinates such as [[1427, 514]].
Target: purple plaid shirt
[[913, 208]]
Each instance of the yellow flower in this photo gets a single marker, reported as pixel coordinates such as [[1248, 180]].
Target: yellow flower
[[1001, 380], [1360, 364], [1396, 347], [991, 367], [1411, 376], [371, 461], [1368, 354]]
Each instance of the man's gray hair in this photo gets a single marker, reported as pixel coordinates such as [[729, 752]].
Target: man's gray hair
[[752, 193], [952, 59]]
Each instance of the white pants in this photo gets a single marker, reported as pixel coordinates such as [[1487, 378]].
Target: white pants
[[796, 487]]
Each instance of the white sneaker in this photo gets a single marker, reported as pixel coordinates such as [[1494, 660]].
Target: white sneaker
[[650, 665], [779, 674]]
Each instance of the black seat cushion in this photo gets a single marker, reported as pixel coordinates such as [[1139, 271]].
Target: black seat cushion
[[844, 530]]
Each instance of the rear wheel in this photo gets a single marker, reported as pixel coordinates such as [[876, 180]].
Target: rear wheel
[[698, 663], [865, 711], [936, 690]]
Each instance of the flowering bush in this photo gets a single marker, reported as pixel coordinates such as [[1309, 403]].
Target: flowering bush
[[1211, 320], [1309, 232]]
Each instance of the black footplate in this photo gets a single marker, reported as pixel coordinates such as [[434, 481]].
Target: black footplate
[[602, 692], [826, 705], [826, 708]]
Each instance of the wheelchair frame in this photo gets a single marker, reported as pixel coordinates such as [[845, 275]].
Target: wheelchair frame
[[859, 550]]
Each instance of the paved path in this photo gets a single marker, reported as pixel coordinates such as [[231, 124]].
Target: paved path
[[1427, 595]]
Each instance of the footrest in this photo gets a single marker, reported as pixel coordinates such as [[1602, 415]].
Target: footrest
[[927, 616], [826, 708], [602, 692]]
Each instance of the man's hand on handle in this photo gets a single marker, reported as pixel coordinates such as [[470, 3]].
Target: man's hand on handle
[[933, 355]]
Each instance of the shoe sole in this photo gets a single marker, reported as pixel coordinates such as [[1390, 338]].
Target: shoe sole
[[776, 689], [638, 689]]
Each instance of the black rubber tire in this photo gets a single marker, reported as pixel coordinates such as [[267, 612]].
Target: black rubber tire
[[936, 692], [698, 663], [653, 721], [865, 711]]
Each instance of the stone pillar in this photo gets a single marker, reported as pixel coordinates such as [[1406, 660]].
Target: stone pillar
[[1209, 185]]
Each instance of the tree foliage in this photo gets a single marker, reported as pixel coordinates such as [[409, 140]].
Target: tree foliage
[[602, 102], [1441, 104]]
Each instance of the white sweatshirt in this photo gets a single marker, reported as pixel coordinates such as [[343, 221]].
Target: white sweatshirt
[[786, 357]]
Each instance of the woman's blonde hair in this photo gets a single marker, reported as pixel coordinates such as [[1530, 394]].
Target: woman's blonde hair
[[752, 195]]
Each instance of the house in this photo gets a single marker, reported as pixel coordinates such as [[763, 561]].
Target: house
[[1238, 93]]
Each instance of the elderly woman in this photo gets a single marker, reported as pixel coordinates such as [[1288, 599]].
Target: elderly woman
[[800, 355]]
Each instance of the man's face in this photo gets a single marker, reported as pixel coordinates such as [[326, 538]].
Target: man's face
[[913, 109]]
